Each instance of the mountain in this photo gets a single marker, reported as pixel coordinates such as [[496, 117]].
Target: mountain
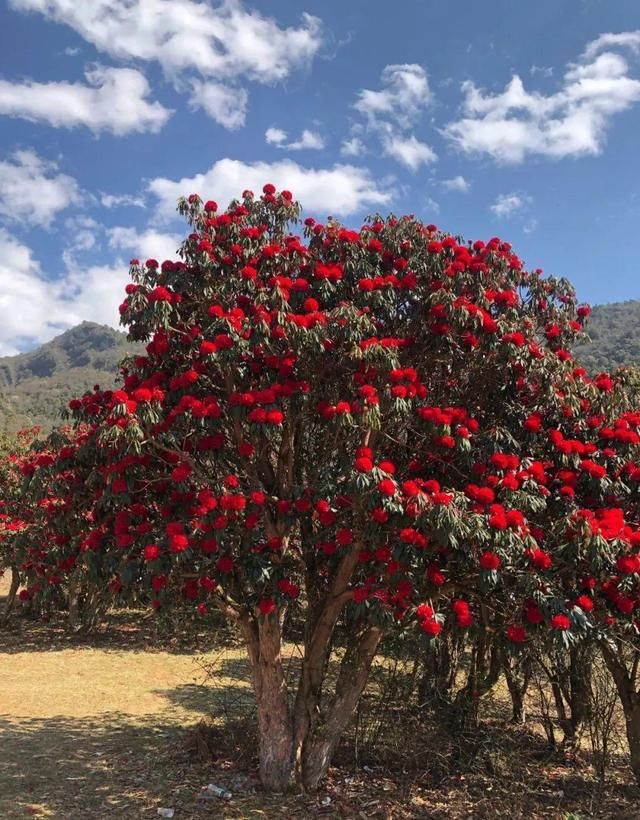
[[614, 331], [35, 386]]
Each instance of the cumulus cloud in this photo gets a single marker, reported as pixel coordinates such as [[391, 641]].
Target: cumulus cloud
[[275, 136], [340, 190], [409, 151], [404, 95], [458, 183], [148, 243], [34, 309], [309, 140], [353, 147], [112, 99], [624, 39], [572, 122], [392, 111], [508, 204], [224, 42], [32, 189], [224, 104], [121, 200]]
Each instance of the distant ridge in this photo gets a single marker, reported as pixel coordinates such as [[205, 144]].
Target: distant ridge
[[36, 385], [614, 331]]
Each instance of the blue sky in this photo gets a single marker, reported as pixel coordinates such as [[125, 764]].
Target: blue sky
[[502, 118]]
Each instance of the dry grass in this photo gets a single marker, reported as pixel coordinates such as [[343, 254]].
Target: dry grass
[[94, 728]]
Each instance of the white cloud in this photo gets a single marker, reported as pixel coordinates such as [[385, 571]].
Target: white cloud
[[112, 99], [309, 140], [22, 305], [91, 294], [508, 204], [81, 232], [409, 151], [340, 190], [121, 200], [432, 205], [147, 244], [275, 136], [544, 70], [458, 183], [516, 123], [405, 94], [34, 309], [32, 190], [221, 42], [624, 39], [224, 104], [393, 110], [71, 52], [354, 147]]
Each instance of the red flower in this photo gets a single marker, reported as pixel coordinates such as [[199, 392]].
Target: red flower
[[181, 472], [363, 464], [151, 552], [585, 603], [267, 606], [560, 621], [344, 537], [540, 559], [424, 611], [516, 633], [431, 627], [224, 564], [489, 560], [534, 614], [275, 417], [387, 487]]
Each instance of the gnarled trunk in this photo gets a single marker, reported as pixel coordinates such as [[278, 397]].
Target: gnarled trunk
[[11, 596], [517, 676], [318, 747], [275, 726], [625, 681], [295, 746]]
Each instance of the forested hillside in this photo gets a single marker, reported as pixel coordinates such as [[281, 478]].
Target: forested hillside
[[614, 331], [34, 386]]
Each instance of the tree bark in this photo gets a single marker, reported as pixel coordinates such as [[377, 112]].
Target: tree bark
[[517, 683], [275, 726], [11, 596], [629, 698], [354, 672]]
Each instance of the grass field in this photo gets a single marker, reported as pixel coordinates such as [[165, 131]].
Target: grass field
[[98, 727]]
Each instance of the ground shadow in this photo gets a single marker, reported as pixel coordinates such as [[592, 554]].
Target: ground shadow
[[93, 768], [122, 630]]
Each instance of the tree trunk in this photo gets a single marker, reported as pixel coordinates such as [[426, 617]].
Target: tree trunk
[[625, 682], [354, 672], [275, 726], [632, 726], [11, 596], [517, 692]]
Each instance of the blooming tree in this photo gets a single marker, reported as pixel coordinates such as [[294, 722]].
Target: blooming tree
[[381, 427]]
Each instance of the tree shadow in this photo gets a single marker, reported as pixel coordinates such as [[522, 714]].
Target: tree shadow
[[122, 630], [92, 768]]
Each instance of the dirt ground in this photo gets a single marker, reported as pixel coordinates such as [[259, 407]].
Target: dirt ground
[[98, 727]]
